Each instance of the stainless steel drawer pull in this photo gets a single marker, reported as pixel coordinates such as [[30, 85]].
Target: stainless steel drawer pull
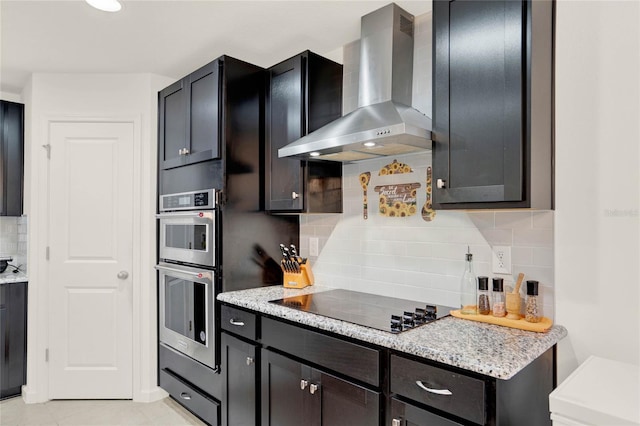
[[249, 360], [236, 322], [303, 384], [396, 422], [185, 395], [313, 388], [436, 391]]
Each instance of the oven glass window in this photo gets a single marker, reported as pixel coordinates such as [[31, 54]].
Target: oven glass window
[[185, 308], [189, 237]]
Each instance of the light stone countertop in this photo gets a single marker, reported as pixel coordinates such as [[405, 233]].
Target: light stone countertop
[[488, 349], [8, 277]]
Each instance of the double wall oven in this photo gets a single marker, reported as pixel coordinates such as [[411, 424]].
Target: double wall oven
[[188, 273]]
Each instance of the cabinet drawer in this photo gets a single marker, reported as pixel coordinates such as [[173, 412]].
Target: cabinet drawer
[[238, 322], [190, 370], [204, 407], [360, 362], [460, 395]]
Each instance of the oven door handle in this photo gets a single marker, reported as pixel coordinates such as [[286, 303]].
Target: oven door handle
[[182, 271], [198, 213]]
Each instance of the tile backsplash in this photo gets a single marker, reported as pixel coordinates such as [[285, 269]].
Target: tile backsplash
[[408, 257], [13, 239]]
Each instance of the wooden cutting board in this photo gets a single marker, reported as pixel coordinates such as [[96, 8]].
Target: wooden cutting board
[[540, 327]]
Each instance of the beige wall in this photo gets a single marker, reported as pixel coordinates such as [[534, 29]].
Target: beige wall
[[597, 180]]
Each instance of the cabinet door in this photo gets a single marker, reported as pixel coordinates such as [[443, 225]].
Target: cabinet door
[[403, 414], [346, 404], [11, 158], [203, 112], [13, 344], [285, 124], [239, 394], [172, 131], [479, 130], [284, 395]]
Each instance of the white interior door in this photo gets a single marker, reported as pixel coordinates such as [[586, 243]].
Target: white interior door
[[91, 221]]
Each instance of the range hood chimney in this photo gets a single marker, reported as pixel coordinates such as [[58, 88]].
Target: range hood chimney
[[384, 123]]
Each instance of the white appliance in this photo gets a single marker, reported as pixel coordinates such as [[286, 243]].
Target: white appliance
[[600, 392]]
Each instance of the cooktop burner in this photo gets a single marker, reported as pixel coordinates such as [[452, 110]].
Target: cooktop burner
[[370, 310]]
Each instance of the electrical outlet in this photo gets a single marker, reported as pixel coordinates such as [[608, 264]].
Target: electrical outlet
[[501, 260], [313, 246]]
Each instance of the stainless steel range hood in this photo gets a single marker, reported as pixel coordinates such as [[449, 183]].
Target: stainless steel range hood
[[384, 123]]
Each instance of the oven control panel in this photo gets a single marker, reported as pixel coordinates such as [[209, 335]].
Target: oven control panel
[[195, 200]]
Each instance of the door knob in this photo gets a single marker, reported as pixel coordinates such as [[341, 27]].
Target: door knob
[[123, 275], [441, 183]]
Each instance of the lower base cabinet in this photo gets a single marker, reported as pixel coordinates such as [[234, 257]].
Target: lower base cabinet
[[296, 394], [191, 398], [239, 391], [13, 338], [404, 414]]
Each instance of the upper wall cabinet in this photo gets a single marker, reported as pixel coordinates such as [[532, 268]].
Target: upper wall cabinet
[[189, 118], [492, 104], [303, 94], [11, 158]]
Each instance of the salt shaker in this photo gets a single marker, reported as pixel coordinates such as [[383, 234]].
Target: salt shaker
[[484, 306], [531, 304], [498, 298]]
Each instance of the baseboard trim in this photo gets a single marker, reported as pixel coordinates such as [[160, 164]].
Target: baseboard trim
[[151, 395]]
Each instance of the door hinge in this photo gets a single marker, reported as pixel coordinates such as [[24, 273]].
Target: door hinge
[[46, 355], [48, 148], [46, 254]]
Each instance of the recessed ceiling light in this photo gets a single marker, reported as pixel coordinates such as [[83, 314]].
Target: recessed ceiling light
[[106, 5], [369, 144], [314, 154]]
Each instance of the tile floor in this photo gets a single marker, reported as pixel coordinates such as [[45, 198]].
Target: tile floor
[[14, 412]]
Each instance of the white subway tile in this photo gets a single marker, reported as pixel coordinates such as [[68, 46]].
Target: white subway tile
[[513, 220], [542, 256], [522, 256], [483, 220], [543, 219], [533, 237]]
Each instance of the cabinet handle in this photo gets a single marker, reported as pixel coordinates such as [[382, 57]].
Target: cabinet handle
[[185, 395], [249, 360], [441, 183], [436, 391], [236, 322], [294, 195], [396, 422], [303, 384], [313, 388]]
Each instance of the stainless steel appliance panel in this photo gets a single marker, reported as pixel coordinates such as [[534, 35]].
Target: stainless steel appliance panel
[[187, 311], [189, 237]]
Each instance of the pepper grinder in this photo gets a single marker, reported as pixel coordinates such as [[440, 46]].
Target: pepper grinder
[[531, 305]]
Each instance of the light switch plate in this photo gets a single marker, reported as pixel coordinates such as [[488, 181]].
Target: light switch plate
[[501, 259]]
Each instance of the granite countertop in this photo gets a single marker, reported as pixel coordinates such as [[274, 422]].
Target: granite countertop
[[488, 349], [8, 277]]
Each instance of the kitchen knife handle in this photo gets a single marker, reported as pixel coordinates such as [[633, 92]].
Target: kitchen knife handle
[[430, 390]]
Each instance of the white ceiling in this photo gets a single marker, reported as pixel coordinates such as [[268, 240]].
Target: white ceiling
[[170, 38]]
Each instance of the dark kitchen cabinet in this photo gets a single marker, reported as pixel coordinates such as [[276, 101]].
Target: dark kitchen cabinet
[[404, 414], [11, 158], [492, 104], [189, 117], [239, 392], [294, 393], [303, 94], [13, 338]]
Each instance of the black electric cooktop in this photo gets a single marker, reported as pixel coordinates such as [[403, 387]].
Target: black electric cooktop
[[370, 310]]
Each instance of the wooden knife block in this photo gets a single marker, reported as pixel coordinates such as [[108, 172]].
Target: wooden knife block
[[300, 279]]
